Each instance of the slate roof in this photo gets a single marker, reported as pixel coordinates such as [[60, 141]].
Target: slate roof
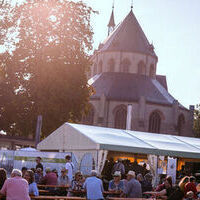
[[130, 87], [128, 36]]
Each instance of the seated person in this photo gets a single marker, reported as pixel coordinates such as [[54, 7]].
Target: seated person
[[77, 185], [183, 182], [191, 186], [116, 184], [16, 187], [170, 192], [38, 175], [94, 187], [163, 186], [50, 178], [190, 196], [132, 188], [29, 176], [63, 180]]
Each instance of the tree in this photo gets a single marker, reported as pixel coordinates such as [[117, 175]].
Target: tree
[[44, 68], [197, 121]]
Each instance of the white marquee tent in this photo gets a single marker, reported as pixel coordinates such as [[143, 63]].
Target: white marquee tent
[[93, 143]]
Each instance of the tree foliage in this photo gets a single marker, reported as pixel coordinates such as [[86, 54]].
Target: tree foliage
[[197, 121], [43, 70]]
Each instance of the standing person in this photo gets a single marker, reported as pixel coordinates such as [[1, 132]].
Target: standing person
[[144, 170], [33, 189], [3, 177], [119, 166], [94, 187], [141, 180], [69, 167], [16, 187], [132, 188], [39, 164]]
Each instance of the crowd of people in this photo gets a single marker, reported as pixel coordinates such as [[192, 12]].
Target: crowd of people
[[122, 183]]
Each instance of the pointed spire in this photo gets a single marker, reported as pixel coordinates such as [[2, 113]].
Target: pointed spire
[[111, 24]]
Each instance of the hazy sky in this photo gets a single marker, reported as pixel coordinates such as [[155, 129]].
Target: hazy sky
[[174, 28]]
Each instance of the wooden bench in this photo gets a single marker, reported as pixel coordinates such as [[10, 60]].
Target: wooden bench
[[43, 191], [56, 198]]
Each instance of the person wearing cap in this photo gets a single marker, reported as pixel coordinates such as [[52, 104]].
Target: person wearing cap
[[116, 184], [94, 187], [16, 187], [119, 166], [132, 188]]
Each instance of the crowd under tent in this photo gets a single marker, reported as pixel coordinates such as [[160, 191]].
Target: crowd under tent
[[92, 145]]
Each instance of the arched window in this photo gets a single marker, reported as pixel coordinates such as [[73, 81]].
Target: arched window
[[141, 68], [125, 65], [120, 117], [89, 118], [152, 71], [100, 69], [111, 65], [154, 122], [180, 124], [95, 69]]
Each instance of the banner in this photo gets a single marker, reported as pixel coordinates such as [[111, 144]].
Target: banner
[[171, 169]]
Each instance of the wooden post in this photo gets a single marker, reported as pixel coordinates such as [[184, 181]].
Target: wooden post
[[38, 130]]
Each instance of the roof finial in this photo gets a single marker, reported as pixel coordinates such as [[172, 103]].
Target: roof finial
[[131, 4], [113, 4]]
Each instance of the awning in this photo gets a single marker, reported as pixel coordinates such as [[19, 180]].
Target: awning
[[71, 137]]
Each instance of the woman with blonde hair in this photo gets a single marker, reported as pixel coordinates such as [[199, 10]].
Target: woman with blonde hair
[[183, 182]]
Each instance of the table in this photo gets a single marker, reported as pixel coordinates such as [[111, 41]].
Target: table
[[53, 186]]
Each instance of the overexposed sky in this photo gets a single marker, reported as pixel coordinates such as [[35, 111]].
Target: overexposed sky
[[174, 28]]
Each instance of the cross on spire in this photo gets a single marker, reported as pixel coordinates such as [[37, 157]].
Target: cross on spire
[[131, 4], [113, 4]]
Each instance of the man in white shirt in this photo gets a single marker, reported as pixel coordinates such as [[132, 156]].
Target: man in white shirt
[[69, 167]]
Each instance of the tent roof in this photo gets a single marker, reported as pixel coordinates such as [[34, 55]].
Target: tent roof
[[83, 137]]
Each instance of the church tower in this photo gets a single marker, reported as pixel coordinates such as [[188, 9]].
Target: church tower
[[111, 24], [124, 72]]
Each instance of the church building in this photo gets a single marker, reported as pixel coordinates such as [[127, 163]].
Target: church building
[[124, 73]]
